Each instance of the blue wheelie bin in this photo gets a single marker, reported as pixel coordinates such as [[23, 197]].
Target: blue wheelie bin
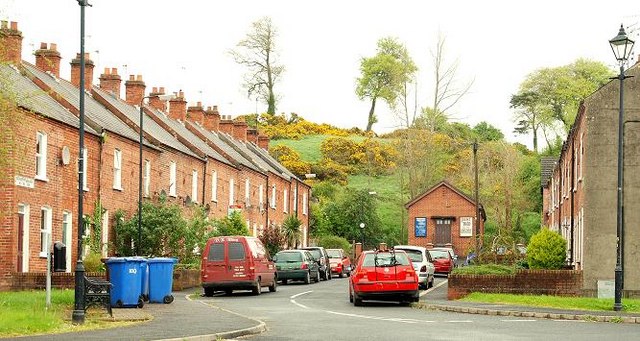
[[125, 276], [144, 268], [160, 279]]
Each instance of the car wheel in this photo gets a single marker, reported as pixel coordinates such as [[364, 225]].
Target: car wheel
[[307, 278], [274, 286], [228, 291], [208, 292], [323, 275], [257, 289], [357, 301], [328, 274], [340, 275], [433, 279], [284, 281], [317, 279], [350, 298]]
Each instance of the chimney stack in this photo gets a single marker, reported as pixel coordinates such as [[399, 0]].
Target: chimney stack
[[110, 81], [226, 125], [134, 90], [252, 135], [211, 119], [240, 130], [263, 142], [10, 43], [48, 59], [88, 71], [196, 113], [178, 107], [155, 101]]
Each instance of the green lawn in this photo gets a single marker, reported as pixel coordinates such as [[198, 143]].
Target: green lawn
[[308, 146], [580, 303], [25, 313]]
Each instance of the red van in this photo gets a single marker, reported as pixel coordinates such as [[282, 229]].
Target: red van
[[236, 263]]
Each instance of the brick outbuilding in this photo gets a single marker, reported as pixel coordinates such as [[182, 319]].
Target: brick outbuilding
[[444, 216]]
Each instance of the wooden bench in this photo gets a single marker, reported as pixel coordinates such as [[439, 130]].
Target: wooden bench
[[97, 291]]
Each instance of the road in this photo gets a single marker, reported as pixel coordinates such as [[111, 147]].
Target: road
[[322, 311]]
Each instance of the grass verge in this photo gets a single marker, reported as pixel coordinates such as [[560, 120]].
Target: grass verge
[[25, 313], [575, 303]]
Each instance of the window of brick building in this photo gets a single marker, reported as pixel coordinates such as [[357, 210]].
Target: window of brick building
[[194, 185], [117, 169], [214, 186], [285, 201], [273, 196], [172, 179], [261, 196], [247, 192], [41, 156], [45, 230], [304, 203], [232, 199], [147, 177], [85, 167]]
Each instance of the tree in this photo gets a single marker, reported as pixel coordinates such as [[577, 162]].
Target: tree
[[547, 250], [258, 53], [549, 98], [486, 132], [384, 75], [291, 228], [273, 238], [231, 225]]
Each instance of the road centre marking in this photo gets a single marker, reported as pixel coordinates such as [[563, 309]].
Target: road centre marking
[[292, 300], [518, 320], [300, 294], [434, 288], [411, 321], [298, 304]]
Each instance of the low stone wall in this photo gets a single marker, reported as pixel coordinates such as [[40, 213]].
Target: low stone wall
[[534, 282], [38, 280], [185, 278]]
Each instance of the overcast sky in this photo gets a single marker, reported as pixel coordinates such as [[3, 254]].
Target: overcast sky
[[184, 45]]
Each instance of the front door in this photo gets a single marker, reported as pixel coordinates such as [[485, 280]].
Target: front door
[[443, 231], [20, 241]]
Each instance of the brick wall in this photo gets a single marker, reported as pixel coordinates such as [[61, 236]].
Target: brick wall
[[534, 282], [185, 278], [38, 280]]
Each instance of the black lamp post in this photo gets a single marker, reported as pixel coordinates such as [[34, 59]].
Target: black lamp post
[[621, 46], [362, 234], [163, 98], [77, 316]]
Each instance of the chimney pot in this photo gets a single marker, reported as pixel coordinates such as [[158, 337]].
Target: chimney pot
[[14, 25], [132, 77], [162, 89], [4, 24], [53, 47], [139, 78], [43, 46], [154, 90]]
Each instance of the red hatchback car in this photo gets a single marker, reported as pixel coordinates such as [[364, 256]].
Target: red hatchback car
[[383, 276], [442, 261]]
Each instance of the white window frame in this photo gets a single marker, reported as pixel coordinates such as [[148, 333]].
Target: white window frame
[[247, 192], [194, 185], [85, 167], [41, 156], [261, 196], [147, 177], [295, 198], [285, 201], [105, 233], [214, 186], [25, 210], [117, 169], [581, 160], [46, 220], [67, 239], [304, 204], [273, 196], [232, 200], [173, 179]]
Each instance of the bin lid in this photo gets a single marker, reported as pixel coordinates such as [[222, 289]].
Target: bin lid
[[162, 260], [124, 259]]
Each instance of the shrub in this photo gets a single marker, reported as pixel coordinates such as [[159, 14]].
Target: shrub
[[273, 238], [485, 269], [93, 262], [231, 225], [335, 242], [546, 250]]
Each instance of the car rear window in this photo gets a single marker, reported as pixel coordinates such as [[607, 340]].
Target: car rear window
[[236, 251], [334, 253], [285, 257], [316, 253], [439, 254], [216, 252], [385, 259], [414, 255]]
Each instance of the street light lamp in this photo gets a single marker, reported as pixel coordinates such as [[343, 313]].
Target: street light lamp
[[362, 234], [162, 98], [621, 46]]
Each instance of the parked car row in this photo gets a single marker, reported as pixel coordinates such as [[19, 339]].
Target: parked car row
[[243, 263]]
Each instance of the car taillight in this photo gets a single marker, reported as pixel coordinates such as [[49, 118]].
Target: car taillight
[[304, 266], [423, 268]]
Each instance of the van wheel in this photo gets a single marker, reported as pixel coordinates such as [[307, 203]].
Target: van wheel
[[257, 290], [274, 285], [208, 292], [307, 278]]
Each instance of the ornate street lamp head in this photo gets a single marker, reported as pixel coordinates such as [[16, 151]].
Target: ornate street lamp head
[[621, 46]]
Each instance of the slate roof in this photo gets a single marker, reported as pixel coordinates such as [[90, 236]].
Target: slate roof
[[226, 148], [241, 148], [94, 111], [547, 165], [179, 128], [31, 97], [271, 160], [149, 125]]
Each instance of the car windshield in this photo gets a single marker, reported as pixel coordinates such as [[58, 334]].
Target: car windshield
[[316, 253], [436, 254], [288, 257], [414, 255], [385, 259], [334, 253]]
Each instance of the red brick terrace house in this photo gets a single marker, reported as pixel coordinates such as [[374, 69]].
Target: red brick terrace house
[[444, 216], [39, 178], [580, 189]]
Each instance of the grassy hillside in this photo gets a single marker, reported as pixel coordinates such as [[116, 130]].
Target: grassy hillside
[[387, 188]]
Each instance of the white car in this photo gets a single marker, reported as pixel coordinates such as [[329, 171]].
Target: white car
[[422, 263]]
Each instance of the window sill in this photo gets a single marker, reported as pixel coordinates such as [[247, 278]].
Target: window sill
[[86, 189], [41, 178], [42, 255], [173, 195], [214, 200], [119, 189]]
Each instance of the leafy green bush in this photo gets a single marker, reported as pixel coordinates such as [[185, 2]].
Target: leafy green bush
[[231, 225], [273, 238], [546, 250], [93, 263], [335, 242], [485, 269]]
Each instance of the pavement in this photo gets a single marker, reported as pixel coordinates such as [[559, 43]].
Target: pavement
[[196, 320]]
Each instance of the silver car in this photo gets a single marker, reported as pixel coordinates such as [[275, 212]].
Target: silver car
[[422, 263]]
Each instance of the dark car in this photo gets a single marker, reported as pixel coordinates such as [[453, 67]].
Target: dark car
[[296, 265], [383, 275], [320, 254]]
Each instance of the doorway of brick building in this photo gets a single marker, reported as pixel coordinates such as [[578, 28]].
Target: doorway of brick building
[[22, 245], [443, 231]]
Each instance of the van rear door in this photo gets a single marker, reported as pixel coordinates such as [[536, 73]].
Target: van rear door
[[240, 267], [215, 269]]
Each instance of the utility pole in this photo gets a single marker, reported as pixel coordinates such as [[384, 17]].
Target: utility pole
[[475, 169]]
